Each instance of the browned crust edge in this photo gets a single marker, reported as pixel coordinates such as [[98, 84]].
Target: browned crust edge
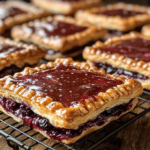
[[65, 8], [116, 22]]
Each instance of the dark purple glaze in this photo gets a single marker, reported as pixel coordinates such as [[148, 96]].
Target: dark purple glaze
[[7, 49], [54, 28], [10, 12], [35, 121], [11, 70], [138, 49], [67, 85], [120, 12], [120, 72]]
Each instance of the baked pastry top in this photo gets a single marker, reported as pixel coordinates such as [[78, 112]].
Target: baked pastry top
[[17, 12], [120, 16], [69, 97], [66, 7], [18, 53], [130, 52], [58, 33]]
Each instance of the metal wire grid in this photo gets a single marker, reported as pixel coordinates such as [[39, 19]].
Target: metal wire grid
[[18, 135]]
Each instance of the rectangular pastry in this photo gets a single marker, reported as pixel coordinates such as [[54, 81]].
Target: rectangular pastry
[[66, 100], [16, 12], [66, 7], [60, 36], [128, 56], [15, 56], [119, 18]]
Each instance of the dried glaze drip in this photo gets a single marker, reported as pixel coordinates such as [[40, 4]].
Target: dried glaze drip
[[67, 85], [138, 49], [53, 28], [119, 71], [10, 12], [7, 49], [120, 12], [35, 121]]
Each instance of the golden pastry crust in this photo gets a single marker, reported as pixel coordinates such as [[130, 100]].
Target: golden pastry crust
[[72, 117], [84, 133], [31, 14], [117, 60], [29, 54], [145, 83], [116, 22], [146, 30], [61, 43], [65, 8]]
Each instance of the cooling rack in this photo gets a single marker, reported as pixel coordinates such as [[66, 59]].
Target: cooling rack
[[18, 135]]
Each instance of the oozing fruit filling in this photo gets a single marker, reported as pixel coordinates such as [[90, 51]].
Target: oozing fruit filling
[[66, 84], [10, 12], [120, 12], [112, 33], [35, 121], [137, 48], [11, 70], [119, 71], [53, 29]]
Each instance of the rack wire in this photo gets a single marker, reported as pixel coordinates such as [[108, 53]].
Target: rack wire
[[18, 135]]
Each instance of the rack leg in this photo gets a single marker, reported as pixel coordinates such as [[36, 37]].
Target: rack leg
[[14, 146]]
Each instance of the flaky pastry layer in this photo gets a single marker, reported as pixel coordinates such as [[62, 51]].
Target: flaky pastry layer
[[65, 8], [146, 30], [31, 14], [116, 22], [74, 116], [30, 54], [117, 60], [61, 43], [84, 133]]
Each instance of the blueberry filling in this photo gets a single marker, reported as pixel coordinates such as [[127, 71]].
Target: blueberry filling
[[11, 70], [35, 121], [119, 71]]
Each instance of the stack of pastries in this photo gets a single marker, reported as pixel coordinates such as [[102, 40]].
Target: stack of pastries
[[65, 100]]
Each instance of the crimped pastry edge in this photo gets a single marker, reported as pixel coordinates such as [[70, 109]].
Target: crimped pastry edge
[[84, 133], [55, 112], [116, 22], [32, 13], [62, 43], [66, 8], [30, 54], [117, 60]]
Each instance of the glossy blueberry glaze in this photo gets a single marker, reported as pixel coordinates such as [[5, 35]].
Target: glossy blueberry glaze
[[120, 12], [10, 12], [66, 84], [137, 48], [35, 121], [54, 29], [119, 71]]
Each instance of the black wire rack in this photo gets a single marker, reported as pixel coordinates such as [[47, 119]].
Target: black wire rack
[[18, 135]]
